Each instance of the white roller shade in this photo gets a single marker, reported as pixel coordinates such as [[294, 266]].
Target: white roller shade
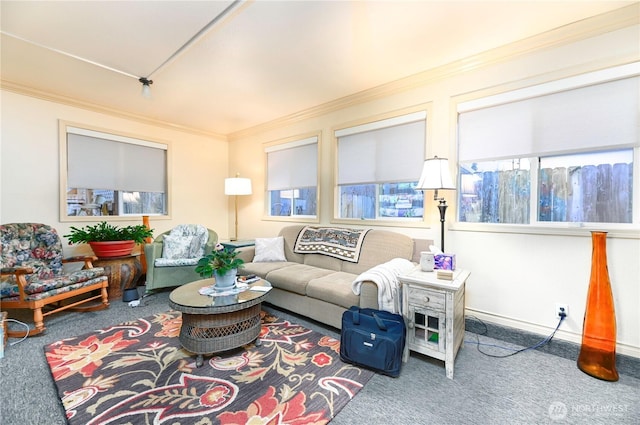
[[98, 161], [293, 165], [388, 154], [597, 116]]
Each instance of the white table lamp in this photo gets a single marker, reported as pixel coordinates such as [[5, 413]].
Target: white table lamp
[[435, 176]]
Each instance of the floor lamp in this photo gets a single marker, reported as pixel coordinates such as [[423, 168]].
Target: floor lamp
[[237, 186], [436, 176]]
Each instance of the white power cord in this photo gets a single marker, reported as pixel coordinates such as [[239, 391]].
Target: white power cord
[[25, 335]]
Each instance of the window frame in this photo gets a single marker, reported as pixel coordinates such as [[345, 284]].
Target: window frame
[[283, 144], [64, 128], [373, 123], [502, 95]]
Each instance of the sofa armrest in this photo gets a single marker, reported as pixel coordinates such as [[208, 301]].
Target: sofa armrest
[[6, 271], [152, 251], [246, 253], [19, 274], [369, 295]]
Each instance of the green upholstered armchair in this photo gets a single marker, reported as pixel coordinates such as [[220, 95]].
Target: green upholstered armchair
[[173, 255]]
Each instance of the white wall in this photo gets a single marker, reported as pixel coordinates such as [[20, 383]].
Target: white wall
[[29, 166], [516, 278]]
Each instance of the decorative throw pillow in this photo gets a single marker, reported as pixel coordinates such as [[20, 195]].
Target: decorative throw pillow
[[196, 248], [174, 247], [269, 249]]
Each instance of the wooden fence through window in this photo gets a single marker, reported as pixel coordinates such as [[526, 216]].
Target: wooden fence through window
[[590, 194]]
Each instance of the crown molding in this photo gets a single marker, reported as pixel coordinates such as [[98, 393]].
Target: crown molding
[[580, 30], [65, 100]]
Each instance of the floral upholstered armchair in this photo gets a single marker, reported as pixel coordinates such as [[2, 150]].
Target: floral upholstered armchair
[[173, 255], [32, 275]]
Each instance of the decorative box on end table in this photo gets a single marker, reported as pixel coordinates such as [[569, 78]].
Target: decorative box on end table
[[434, 311]]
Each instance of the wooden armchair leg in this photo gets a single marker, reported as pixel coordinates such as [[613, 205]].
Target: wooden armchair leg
[[38, 320], [38, 329], [105, 297]]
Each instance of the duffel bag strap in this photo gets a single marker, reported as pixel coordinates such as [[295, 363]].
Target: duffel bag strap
[[379, 321], [355, 317]]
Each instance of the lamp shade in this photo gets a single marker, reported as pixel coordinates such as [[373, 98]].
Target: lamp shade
[[237, 186], [435, 175], [146, 91], [146, 87]]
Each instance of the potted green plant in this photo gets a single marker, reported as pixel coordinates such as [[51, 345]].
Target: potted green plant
[[222, 263], [108, 240]]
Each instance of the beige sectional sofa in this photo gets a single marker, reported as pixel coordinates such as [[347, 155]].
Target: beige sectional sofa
[[319, 286]]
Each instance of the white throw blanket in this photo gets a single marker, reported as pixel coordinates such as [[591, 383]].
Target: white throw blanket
[[386, 277]]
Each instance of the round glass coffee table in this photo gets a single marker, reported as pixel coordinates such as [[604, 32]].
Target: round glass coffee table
[[212, 324]]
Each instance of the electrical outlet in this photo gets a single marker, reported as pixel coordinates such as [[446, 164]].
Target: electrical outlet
[[562, 308]]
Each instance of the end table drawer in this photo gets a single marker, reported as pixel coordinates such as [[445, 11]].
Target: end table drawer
[[426, 298]]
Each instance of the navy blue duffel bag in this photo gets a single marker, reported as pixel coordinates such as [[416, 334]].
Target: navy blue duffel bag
[[373, 339]]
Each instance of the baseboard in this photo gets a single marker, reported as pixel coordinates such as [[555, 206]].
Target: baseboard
[[626, 365]]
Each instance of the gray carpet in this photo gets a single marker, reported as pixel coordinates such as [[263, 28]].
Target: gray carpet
[[529, 388]]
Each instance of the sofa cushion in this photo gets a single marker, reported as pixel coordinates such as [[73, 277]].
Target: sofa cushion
[[323, 261], [263, 269], [196, 247], [185, 241], [290, 234], [334, 288], [175, 262], [379, 247], [175, 247], [38, 289], [294, 278], [269, 249]]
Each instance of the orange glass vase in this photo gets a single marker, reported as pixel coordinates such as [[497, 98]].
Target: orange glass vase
[[598, 351]]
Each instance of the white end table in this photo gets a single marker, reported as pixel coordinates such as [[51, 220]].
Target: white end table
[[434, 312]]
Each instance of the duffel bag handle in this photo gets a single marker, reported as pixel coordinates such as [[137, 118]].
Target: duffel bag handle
[[356, 319], [379, 321], [356, 316]]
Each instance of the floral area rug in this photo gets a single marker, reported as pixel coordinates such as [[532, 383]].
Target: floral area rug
[[137, 373]]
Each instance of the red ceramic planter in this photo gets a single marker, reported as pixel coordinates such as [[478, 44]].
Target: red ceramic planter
[[112, 248]]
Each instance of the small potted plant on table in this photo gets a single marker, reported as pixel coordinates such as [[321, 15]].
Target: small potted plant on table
[[107, 240], [222, 264]]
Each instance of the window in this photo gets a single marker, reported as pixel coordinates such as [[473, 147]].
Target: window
[[495, 192], [111, 175], [379, 164], [593, 187], [292, 178], [558, 152]]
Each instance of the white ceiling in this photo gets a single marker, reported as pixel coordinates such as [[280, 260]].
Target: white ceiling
[[262, 61]]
